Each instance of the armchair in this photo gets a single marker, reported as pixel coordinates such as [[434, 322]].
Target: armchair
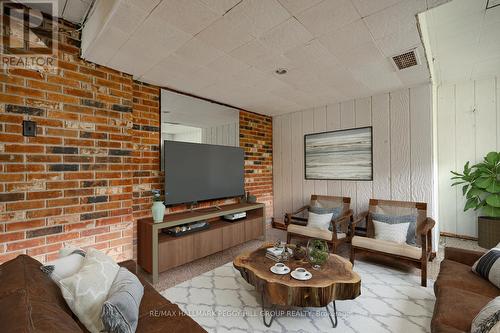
[[296, 222], [418, 255]]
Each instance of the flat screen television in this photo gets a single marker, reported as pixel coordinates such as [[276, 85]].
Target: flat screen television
[[197, 172]]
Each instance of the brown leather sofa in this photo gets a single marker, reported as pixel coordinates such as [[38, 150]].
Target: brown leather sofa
[[31, 302], [460, 294]]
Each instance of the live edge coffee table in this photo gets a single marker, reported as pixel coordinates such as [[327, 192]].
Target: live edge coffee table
[[335, 281]]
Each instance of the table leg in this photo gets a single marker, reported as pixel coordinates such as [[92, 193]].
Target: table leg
[[264, 312], [334, 323]]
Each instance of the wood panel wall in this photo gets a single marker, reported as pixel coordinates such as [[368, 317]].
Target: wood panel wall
[[402, 147], [226, 135], [468, 125]]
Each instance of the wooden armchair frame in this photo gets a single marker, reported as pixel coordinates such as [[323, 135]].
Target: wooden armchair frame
[[343, 221], [424, 232]]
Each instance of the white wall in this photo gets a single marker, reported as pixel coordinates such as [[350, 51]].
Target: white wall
[[468, 127], [402, 150]]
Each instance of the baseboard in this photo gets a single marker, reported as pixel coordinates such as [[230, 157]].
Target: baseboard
[[449, 234]]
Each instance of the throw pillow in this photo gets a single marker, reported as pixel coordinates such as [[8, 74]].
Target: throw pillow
[[394, 219], [120, 312], [487, 318], [320, 221], [391, 232], [488, 266], [64, 267], [86, 291], [335, 214]]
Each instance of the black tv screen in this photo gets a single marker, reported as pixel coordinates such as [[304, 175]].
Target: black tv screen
[[197, 172]]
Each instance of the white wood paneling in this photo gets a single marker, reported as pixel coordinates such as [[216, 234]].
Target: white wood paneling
[[320, 186], [334, 187], [464, 150], [468, 128], [286, 157], [364, 189], [381, 147], [348, 120], [393, 116], [298, 161], [400, 145], [307, 128]]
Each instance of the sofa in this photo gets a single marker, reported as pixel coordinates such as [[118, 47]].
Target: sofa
[[460, 294], [31, 302]]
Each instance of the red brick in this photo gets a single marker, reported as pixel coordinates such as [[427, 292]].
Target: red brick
[[24, 225]]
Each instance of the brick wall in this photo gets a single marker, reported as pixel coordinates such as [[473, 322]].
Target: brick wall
[[88, 174]]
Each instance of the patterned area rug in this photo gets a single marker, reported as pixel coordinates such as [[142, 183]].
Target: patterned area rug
[[391, 301]]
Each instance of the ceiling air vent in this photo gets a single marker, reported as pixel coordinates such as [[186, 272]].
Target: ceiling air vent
[[405, 60]]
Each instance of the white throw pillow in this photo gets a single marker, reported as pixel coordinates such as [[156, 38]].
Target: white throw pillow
[[86, 291], [320, 221], [488, 266], [64, 267], [391, 232], [488, 319]]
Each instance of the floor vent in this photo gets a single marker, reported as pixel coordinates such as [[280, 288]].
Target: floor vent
[[405, 60]]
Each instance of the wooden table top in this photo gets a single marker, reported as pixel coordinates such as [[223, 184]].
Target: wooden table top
[[335, 280]]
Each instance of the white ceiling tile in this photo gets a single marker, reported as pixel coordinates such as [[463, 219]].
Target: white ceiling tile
[[378, 76], [414, 75], [395, 18], [189, 16], [198, 52], [368, 7], [227, 65], [297, 6], [399, 42], [250, 52], [225, 34], [286, 36], [312, 51], [74, 11], [220, 6], [249, 76], [347, 38], [361, 55], [328, 16], [271, 62], [258, 16]]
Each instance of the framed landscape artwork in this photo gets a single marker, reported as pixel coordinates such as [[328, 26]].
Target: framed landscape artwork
[[339, 155]]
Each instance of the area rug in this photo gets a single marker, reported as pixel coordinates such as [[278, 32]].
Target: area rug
[[391, 301]]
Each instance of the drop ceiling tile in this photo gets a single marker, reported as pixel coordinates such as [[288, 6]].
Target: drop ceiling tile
[[368, 7], [174, 65], [359, 56], [271, 62], [286, 36], [379, 76], [74, 11], [414, 75], [328, 16], [128, 17], [312, 51], [347, 38], [297, 6], [110, 41], [227, 65], [250, 52], [189, 16], [395, 18], [258, 16], [249, 76], [399, 42], [198, 52], [225, 34], [220, 6]]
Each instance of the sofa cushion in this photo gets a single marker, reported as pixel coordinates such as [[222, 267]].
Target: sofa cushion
[[33, 300], [380, 245], [456, 308], [313, 232], [458, 275]]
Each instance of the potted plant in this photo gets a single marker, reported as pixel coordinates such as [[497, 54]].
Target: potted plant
[[158, 208], [481, 187]]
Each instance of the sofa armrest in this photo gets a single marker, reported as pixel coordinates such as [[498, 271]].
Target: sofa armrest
[[466, 257]]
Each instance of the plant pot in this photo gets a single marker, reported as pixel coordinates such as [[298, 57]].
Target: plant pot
[[158, 211], [488, 231]]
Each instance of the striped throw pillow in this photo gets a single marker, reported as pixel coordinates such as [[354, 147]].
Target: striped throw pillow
[[488, 266]]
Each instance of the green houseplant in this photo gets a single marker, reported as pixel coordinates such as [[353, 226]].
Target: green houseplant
[[481, 186]]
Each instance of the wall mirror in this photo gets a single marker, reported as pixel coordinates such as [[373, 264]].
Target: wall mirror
[[189, 119]]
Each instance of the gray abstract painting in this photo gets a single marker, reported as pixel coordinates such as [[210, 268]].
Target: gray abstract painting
[[339, 155]]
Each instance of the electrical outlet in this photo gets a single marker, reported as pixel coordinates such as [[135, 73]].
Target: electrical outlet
[[29, 128]]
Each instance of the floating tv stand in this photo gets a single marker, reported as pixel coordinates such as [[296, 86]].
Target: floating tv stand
[[157, 251]]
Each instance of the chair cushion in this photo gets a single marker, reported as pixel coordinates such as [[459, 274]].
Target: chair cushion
[[399, 219], [319, 221], [313, 232], [379, 245], [460, 276], [396, 233]]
